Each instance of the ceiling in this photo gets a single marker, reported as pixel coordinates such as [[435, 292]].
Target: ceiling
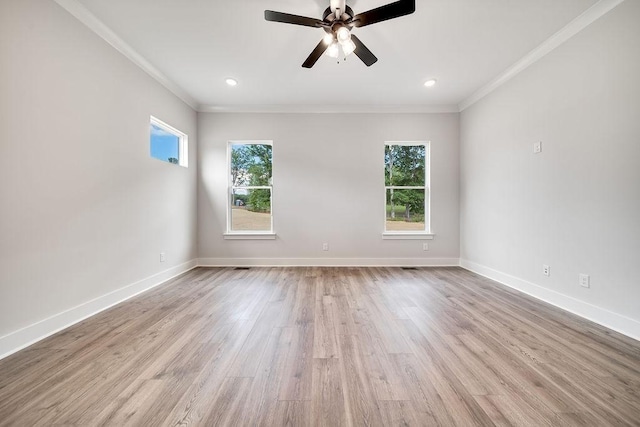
[[464, 44]]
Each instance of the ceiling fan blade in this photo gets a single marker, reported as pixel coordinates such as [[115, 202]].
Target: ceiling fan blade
[[363, 52], [288, 18], [382, 13], [315, 55]]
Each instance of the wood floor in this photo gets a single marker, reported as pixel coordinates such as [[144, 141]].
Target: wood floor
[[326, 346]]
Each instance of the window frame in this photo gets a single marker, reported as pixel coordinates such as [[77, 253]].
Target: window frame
[[247, 234], [425, 234], [183, 141]]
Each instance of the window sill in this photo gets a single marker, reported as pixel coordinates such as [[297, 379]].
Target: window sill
[[407, 236], [249, 236]]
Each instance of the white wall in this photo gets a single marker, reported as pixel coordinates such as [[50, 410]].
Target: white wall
[[328, 187], [576, 205], [84, 209]]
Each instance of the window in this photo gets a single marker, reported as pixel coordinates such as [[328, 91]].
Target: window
[[406, 180], [250, 188], [167, 143]]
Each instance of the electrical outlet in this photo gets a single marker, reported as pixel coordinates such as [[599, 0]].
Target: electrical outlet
[[162, 257], [537, 147], [325, 246], [546, 270], [584, 280], [425, 246]]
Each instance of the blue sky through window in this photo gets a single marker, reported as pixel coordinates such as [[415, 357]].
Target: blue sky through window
[[164, 145]]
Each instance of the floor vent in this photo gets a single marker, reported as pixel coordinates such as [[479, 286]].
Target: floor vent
[[408, 268], [242, 268]]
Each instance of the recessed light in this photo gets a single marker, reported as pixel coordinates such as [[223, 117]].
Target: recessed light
[[231, 82], [430, 83]]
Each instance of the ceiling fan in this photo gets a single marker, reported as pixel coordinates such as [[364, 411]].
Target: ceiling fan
[[337, 21]]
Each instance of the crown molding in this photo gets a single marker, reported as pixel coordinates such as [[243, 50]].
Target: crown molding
[[75, 8], [80, 12], [83, 15], [293, 108], [585, 19]]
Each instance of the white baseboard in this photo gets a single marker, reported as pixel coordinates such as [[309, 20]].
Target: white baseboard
[[601, 316], [328, 262], [17, 340], [28, 335], [31, 334]]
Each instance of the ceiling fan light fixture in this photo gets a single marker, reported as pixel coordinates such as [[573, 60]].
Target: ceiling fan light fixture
[[338, 20], [348, 47], [333, 51], [343, 34], [430, 83], [328, 39]]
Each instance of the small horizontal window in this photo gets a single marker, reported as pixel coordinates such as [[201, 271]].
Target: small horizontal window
[[167, 143]]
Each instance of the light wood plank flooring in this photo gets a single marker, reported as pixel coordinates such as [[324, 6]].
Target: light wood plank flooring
[[326, 346]]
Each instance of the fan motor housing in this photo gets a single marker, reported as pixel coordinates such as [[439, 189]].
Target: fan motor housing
[[336, 24]]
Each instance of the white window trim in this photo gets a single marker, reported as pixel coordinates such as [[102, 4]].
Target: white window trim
[[411, 235], [183, 140], [400, 235], [238, 235], [247, 234]]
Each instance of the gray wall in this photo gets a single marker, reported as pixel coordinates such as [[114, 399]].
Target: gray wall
[[328, 184], [576, 205], [84, 209]]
